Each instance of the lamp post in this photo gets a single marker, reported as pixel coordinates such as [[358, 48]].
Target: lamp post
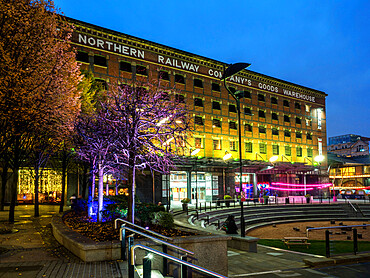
[[231, 70], [320, 158], [194, 153]]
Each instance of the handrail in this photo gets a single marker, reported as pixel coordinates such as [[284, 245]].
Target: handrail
[[209, 272], [155, 239], [335, 227], [139, 227], [349, 202]]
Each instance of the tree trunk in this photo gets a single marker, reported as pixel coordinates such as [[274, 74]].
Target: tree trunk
[[4, 179], [64, 174], [37, 171], [14, 183], [84, 180], [100, 192]]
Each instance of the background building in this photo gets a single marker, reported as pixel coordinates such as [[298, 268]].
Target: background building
[[349, 145]]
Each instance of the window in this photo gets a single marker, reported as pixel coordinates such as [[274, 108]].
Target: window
[[298, 120], [288, 150], [286, 119], [248, 147], [247, 94], [308, 108], [101, 84], [274, 116], [261, 114], [287, 133], [141, 70], [198, 83], [248, 128], [275, 131], [179, 98], [198, 120], [163, 75], [125, 66], [274, 100], [261, 97], [82, 56], [179, 79], [100, 61], [308, 122], [232, 108], [216, 123], [275, 149], [298, 135], [216, 87], [233, 146], [248, 111], [198, 143], [299, 151], [262, 129], [309, 136], [216, 105], [286, 103], [309, 152], [198, 102], [263, 148], [216, 144], [232, 125], [297, 105]]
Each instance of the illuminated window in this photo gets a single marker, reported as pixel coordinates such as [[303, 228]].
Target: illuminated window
[[248, 147], [216, 123], [216, 105], [198, 83], [299, 151], [261, 97], [125, 66], [216, 87], [286, 119], [275, 149], [309, 152], [286, 103], [248, 127], [198, 120], [163, 75], [288, 151], [308, 122], [275, 131], [262, 129], [274, 100], [100, 60], [248, 111], [141, 70], [179, 79], [274, 116], [263, 148], [198, 143], [82, 56], [261, 114], [198, 102], [308, 108], [232, 108], [232, 125], [233, 146], [216, 144]]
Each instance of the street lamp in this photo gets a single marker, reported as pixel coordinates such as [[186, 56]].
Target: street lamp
[[229, 71], [194, 153], [320, 158]]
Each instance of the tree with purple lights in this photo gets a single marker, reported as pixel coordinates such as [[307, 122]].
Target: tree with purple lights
[[136, 128]]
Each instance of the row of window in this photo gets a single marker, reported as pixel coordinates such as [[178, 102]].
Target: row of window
[[249, 147]]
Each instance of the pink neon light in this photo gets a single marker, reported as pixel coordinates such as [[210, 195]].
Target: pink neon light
[[310, 185], [290, 189]]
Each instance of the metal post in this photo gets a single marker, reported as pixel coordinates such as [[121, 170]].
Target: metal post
[[147, 268], [123, 244], [200, 207], [242, 234], [165, 268], [130, 263], [327, 243], [184, 268], [355, 246], [242, 223]]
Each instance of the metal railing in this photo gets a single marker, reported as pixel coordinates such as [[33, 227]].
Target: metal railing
[[139, 227], [184, 264], [335, 227]]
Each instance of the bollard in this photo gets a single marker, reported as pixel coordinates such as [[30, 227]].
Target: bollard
[[123, 244], [205, 206], [207, 219], [355, 246], [184, 268], [147, 268], [165, 268], [200, 207], [130, 263], [218, 224], [327, 243]]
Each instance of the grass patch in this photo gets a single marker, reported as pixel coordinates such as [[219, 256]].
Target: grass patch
[[317, 247]]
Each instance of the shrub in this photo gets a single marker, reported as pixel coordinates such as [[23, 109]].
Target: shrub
[[227, 197], [145, 211], [164, 219], [185, 201]]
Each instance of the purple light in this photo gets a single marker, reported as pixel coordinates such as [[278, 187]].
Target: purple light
[[147, 228], [291, 189], [300, 185]]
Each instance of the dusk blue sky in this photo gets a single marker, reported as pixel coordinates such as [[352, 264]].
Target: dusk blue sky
[[324, 45]]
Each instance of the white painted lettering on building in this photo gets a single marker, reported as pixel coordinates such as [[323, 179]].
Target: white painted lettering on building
[[177, 63], [299, 95]]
